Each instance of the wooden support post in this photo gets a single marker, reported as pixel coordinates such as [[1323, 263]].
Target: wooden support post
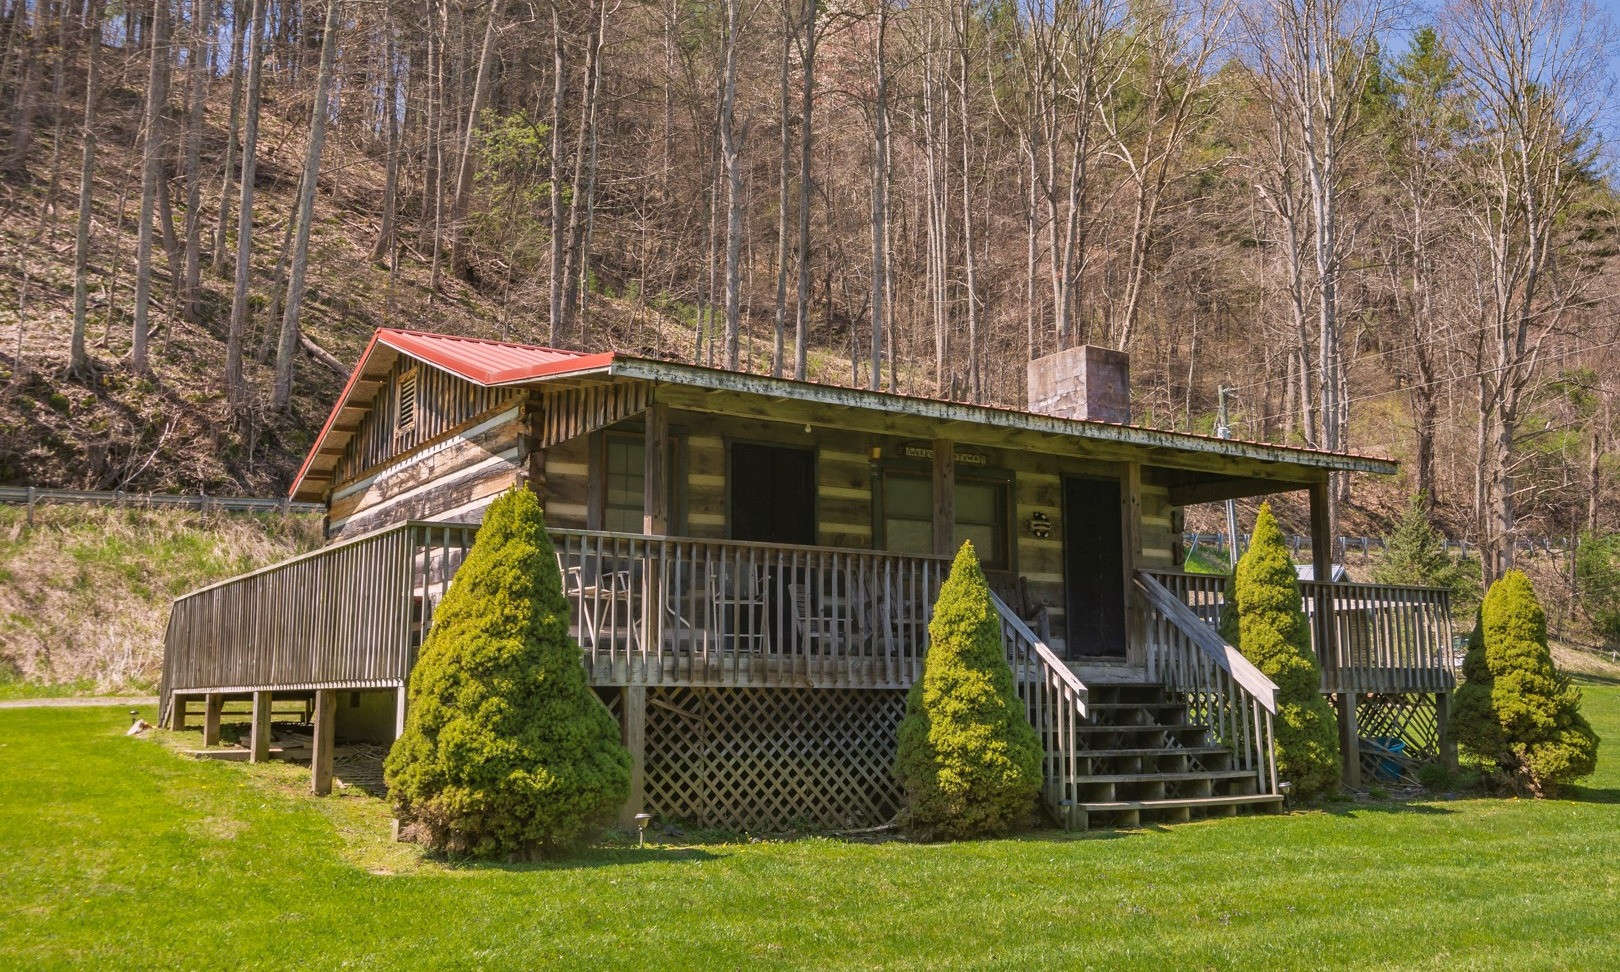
[[1327, 654], [1350, 739], [213, 705], [654, 523], [320, 760], [1448, 740], [177, 713], [944, 497], [633, 721], [1130, 514], [655, 485], [259, 733], [399, 712], [595, 480]]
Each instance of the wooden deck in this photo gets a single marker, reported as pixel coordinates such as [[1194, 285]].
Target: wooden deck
[[676, 611]]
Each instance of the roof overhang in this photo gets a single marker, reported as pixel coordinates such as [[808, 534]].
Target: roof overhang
[[498, 364]]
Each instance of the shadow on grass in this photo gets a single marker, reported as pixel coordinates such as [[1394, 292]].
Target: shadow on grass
[[1589, 794], [1586, 678], [1352, 809], [588, 859]]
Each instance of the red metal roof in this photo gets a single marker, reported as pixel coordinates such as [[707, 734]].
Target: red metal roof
[[490, 362]]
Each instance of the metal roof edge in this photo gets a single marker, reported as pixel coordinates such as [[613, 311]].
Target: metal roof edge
[[649, 369]]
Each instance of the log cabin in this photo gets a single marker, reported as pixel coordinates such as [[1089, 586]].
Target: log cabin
[[751, 564]]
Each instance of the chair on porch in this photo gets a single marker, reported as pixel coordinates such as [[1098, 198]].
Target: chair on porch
[[742, 607], [819, 617]]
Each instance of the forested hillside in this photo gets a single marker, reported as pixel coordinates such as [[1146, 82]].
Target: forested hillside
[[1384, 235]]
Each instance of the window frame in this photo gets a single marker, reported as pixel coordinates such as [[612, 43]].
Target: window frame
[[1004, 479]]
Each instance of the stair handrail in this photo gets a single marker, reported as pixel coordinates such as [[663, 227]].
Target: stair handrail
[[1222, 689], [1055, 699], [1200, 633]]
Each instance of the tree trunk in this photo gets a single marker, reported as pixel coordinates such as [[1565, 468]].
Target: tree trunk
[[200, 55], [880, 196], [464, 170], [801, 326], [222, 225], [235, 389], [733, 171], [151, 175], [288, 346], [79, 364]]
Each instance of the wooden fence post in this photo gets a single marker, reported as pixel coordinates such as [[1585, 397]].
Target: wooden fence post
[[320, 760], [259, 733]]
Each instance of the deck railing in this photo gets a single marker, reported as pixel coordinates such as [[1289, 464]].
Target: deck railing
[[1222, 689], [1383, 638], [731, 612], [1055, 700], [347, 616]]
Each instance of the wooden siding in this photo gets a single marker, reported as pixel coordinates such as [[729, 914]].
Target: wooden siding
[[445, 403], [451, 479]]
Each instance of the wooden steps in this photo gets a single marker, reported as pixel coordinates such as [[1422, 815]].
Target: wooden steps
[[1146, 759]]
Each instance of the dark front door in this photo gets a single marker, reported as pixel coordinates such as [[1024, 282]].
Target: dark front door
[[773, 493], [1094, 568]]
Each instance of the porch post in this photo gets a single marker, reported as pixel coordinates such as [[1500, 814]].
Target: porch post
[[214, 704], [1350, 738], [399, 712], [1130, 512], [1322, 620], [654, 523], [633, 721], [177, 712], [655, 485], [944, 497], [259, 733], [1448, 741], [320, 760]]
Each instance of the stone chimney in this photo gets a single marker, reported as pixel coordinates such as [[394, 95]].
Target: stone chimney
[[1086, 382]]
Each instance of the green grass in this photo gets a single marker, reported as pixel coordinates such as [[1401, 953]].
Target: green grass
[[115, 851]]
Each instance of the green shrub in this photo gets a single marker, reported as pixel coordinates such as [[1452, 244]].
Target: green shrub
[[1597, 579], [1264, 620], [968, 758], [1515, 710], [506, 749]]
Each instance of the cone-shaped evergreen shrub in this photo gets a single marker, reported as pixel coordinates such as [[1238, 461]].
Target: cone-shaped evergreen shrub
[[1263, 618], [1515, 709], [506, 749], [968, 758]]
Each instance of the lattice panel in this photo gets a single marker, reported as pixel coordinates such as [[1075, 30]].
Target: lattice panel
[[773, 759], [1412, 719], [613, 698]]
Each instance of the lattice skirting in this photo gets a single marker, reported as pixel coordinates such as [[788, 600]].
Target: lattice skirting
[[772, 759], [1413, 720]]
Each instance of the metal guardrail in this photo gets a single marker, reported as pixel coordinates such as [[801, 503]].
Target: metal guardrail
[[32, 496]]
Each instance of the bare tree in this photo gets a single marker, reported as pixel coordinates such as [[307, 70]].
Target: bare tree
[[235, 388], [79, 363], [157, 95], [1530, 68], [281, 396]]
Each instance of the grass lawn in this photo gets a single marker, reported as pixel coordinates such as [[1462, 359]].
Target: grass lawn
[[116, 852]]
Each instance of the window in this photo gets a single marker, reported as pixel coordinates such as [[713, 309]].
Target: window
[[405, 403], [981, 516], [907, 515], [624, 477]]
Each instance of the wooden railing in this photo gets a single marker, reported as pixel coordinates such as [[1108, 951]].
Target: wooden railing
[[728, 612], [347, 616], [1382, 638], [1055, 700], [1222, 689]]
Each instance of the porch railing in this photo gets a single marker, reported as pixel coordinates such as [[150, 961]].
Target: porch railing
[[347, 616], [1222, 689], [1383, 638], [731, 612], [1055, 700]]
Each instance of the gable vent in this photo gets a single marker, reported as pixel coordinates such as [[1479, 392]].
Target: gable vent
[[405, 403]]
